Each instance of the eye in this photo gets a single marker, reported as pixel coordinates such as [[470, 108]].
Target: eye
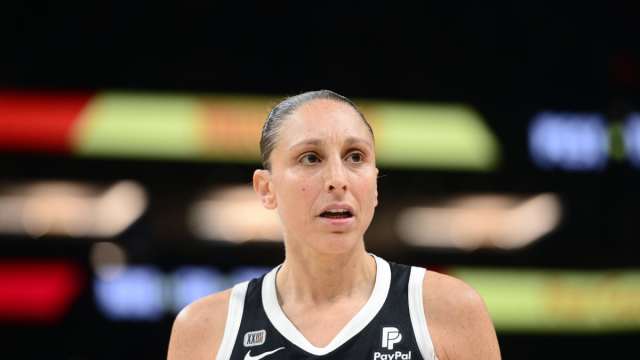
[[309, 159], [356, 157]]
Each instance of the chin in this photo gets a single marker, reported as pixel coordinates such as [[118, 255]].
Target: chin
[[337, 243]]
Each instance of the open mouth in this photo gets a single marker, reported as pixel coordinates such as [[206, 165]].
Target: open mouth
[[337, 214]]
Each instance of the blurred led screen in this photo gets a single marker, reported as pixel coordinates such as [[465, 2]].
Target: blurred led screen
[[582, 142], [227, 129]]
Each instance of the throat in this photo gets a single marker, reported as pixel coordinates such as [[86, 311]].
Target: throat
[[319, 283], [309, 310], [321, 313]]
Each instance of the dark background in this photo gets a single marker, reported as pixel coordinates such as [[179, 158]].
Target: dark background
[[507, 60]]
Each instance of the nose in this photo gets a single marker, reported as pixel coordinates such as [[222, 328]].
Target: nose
[[336, 179]]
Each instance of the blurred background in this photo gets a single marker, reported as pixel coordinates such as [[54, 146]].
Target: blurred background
[[508, 140]]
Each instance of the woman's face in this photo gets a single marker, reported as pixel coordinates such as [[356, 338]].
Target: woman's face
[[323, 177]]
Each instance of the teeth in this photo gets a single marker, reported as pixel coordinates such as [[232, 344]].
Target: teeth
[[337, 211]]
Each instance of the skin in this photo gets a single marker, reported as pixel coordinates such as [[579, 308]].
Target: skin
[[325, 155]]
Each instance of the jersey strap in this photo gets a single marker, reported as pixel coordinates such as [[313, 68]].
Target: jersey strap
[[234, 318], [416, 312]]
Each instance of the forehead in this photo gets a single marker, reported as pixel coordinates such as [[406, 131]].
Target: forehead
[[323, 118]]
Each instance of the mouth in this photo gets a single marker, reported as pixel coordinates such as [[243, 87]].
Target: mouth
[[337, 214]]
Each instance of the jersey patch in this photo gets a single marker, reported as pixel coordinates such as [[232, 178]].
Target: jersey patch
[[390, 336], [254, 338]]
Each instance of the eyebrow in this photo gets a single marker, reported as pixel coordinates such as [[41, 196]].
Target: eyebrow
[[314, 141]]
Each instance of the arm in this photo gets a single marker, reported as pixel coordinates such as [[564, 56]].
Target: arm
[[458, 320], [198, 328]]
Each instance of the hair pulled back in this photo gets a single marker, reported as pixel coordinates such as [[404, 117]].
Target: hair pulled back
[[286, 107]]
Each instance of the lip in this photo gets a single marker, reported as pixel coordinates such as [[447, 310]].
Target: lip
[[339, 222], [339, 206]]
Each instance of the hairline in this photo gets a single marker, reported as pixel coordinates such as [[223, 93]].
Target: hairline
[[286, 108]]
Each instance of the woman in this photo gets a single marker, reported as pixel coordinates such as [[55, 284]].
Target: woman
[[330, 299]]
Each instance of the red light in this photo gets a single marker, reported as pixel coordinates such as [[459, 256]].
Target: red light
[[37, 291], [39, 122]]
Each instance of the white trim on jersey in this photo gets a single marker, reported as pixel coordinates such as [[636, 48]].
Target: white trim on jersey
[[280, 321], [416, 312], [234, 317]]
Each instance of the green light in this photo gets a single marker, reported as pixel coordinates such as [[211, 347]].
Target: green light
[[433, 136], [554, 301], [617, 141], [139, 126]]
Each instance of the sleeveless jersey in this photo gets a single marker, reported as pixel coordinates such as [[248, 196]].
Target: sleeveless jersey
[[390, 326]]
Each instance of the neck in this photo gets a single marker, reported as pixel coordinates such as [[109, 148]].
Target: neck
[[315, 278]]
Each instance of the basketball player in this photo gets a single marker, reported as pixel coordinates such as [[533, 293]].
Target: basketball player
[[330, 299]]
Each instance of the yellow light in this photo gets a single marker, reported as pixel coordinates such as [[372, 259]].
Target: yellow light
[[471, 222], [70, 208], [234, 214]]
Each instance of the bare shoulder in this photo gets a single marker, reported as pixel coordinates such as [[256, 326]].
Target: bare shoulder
[[458, 319], [198, 328]]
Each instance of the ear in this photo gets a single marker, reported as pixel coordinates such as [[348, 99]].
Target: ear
[[262, 187], [376, 202]]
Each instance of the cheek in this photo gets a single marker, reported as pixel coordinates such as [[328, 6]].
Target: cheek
[[307, 185], [299, 192], [305, 191], [369, 190]]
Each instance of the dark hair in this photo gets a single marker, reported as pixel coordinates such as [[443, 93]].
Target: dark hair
[[285, 108]]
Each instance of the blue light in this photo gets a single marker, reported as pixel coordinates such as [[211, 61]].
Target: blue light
[[245, 273], [145, 293], [569, 141], [632, 138], [192, 282], [136, 294]]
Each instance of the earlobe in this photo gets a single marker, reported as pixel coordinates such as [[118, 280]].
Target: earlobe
[[376, 191], [262, 187]]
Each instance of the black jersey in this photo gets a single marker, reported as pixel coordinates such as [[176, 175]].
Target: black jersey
[[390, 326]]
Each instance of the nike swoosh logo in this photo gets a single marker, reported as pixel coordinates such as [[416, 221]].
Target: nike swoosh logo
[[263, 355]]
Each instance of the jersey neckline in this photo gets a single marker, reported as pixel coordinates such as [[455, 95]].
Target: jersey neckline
[[286, 328]]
